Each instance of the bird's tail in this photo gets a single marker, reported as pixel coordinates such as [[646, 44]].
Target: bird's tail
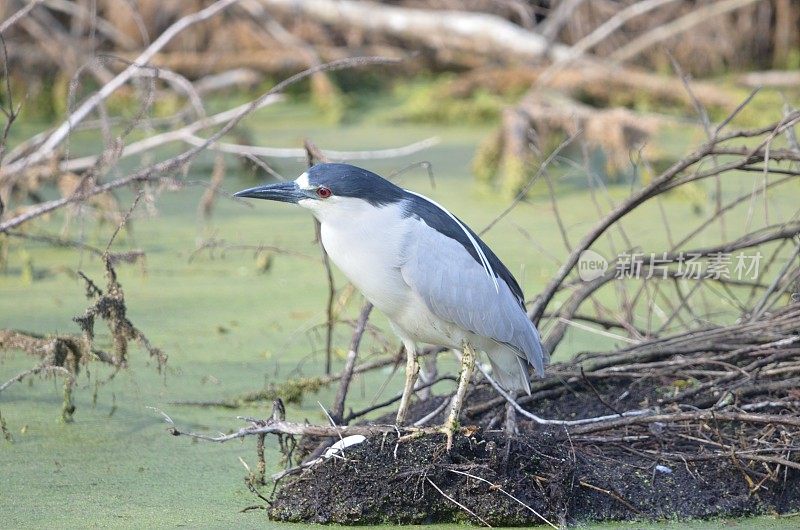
[[509, 369]]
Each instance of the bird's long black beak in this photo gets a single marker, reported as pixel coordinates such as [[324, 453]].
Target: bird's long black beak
[[282, 191]]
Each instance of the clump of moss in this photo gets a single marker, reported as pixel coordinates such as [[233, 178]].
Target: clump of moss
[[293, 390], [434, 103], [290, 391]]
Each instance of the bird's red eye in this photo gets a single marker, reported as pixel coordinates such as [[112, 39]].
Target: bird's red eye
[[323, 192]]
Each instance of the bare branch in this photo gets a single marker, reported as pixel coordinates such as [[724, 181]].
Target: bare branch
[[62, 131], [156, 171], [13, 19], [347, 374]]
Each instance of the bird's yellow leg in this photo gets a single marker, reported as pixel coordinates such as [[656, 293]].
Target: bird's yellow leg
[[467, 366], [412, 369]]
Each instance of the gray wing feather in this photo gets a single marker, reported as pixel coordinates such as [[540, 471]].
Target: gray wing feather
[[456, 288]]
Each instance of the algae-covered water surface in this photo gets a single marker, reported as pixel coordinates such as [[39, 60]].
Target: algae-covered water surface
[[230, 324]]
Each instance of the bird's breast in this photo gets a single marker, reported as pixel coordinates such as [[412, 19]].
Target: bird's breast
[[368, 250]]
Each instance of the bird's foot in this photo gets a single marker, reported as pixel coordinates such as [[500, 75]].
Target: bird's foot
[[449, 429], [451, 425]]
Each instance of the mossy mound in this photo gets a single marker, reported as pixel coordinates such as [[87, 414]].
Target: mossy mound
[[506, 482]]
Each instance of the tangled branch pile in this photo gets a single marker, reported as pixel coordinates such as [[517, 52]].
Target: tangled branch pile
[[278, 36]]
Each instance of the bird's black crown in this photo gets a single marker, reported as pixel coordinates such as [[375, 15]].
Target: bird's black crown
[[345, 180]]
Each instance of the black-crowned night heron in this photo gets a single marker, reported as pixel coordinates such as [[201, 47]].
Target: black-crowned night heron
[[432, 276]]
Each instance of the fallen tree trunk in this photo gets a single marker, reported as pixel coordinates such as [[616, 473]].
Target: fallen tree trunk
[[458, 30]]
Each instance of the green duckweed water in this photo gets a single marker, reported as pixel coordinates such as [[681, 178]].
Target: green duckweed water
[[229, 328]]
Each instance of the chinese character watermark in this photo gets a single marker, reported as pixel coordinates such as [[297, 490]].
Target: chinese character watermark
[[739, 266]]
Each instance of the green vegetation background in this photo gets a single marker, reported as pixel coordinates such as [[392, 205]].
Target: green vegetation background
[[230, 328]]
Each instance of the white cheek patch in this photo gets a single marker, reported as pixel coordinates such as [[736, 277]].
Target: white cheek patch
[[302, 181], [331, 204]]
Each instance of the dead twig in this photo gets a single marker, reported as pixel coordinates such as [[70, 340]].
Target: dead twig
[[347, 373], [451, 499]]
